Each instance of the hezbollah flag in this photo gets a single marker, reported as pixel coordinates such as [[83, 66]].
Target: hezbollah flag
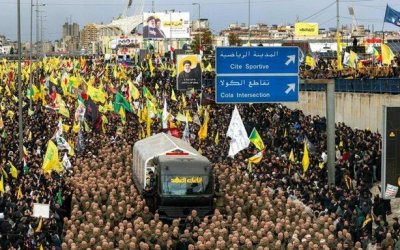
[[306, 159], [387, 54], [51, 160], [291, 156], [255, 159], [310, 62], [255, 138], [97, 95], [13, 170], [204, 128], [2, 184], [133, 91]]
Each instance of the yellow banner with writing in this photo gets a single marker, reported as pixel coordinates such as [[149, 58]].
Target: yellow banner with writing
[[306, 29]]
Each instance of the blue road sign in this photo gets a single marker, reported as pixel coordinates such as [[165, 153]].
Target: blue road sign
[[256, 89], [257, 74]]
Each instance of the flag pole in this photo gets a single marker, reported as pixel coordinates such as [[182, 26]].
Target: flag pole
[[383, 24]]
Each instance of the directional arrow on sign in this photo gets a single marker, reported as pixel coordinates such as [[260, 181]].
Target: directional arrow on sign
[[291, 59], [291, 87]]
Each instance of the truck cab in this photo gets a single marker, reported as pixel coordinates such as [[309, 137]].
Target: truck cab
[[183, 183], [173, 177]]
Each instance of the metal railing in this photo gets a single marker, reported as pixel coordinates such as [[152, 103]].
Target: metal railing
[[377, 86]]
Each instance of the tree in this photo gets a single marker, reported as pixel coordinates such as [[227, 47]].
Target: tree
[[234, 39], [206, 42]]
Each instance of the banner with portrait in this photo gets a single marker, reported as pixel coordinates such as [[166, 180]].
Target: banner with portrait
[[189, 72], [166, 25]]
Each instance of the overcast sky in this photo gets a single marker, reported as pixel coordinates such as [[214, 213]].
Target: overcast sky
[[220, 13]]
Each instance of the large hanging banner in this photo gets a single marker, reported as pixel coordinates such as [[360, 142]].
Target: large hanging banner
[[160, 25], [189, 72], [306, 29]]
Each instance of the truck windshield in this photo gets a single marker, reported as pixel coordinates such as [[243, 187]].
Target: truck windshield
[[184, 185]]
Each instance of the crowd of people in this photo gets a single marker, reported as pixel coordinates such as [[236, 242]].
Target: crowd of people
[[323, 68], [94, 205]]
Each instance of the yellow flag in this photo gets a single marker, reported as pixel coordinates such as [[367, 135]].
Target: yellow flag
[[122, 114], [148, 126], [184, 103], [310, 62], [291, 156], [4, 172], [87, 129], [306, 158], [2, 184], [338, 51], [321, 165], [19, 193], [255, 159], [66, 128], [189, 118], [204, 128], [41, 247], [10, 114], [353, 59], [51, 160], [13, 170], [387, 54], [76, 127], [72, 145], [97, 95], [216, 140], [8, 92], [39, 227], [134, 92], [173, 97], [64, 111]]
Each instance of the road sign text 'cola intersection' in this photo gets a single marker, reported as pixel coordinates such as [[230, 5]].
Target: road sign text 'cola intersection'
[[257, 74]]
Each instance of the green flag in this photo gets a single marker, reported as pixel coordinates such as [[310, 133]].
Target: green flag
[[121, 101], [255, 138], [59, 197]]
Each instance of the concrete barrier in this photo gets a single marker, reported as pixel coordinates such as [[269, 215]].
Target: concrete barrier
[[357, 110]]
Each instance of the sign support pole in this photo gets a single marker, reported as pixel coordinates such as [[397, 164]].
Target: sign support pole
[[330, 123]]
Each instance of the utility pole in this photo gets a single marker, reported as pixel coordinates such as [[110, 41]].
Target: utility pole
[[37, 23]]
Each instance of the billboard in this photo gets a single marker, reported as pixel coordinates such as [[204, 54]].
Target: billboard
[[189, 72], [390, 177], [306, 29], [160, 25]]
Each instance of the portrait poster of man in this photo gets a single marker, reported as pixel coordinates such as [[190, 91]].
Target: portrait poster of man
[[152, 28], [189, 72]]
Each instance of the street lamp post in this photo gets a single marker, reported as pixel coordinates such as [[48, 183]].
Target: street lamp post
[[30, 58], [170, 31], [20, 128], [198, 28], [248, 41]]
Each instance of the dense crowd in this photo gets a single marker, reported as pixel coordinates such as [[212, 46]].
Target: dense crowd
[[94, 204], [322, 68]]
